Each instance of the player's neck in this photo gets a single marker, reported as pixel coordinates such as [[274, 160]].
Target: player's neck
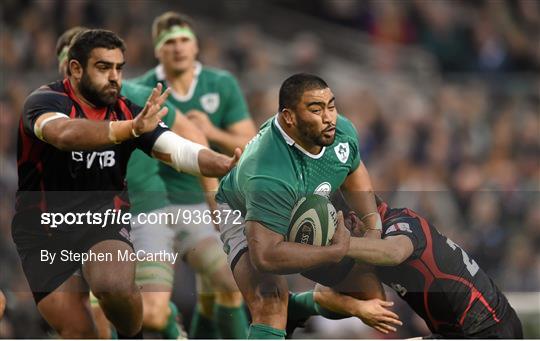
[[180, 82], [294, 134], [77, 93], [312, 149]]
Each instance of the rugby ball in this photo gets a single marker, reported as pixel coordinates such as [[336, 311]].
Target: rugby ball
[[313, 221]]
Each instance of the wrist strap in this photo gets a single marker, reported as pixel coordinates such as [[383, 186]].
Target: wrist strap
[[378, 222], [120, 131], [112, 134], [133, 133]]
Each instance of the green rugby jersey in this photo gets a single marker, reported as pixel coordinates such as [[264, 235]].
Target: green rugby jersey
[[274, 173], [147, 191], [214, 92]]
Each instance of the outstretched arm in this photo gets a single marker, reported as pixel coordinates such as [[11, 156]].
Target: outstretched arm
[[373, 312], [190, 157], [82, 134], [390, 251]]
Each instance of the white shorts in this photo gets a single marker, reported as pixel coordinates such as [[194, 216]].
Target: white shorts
[[168, 236], [232, 234]]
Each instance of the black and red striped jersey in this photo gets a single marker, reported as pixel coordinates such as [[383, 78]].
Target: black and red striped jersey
[[439, 281], [53, 180]]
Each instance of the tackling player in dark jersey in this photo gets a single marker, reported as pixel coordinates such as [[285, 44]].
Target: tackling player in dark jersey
[[75, 138], [434, 276]]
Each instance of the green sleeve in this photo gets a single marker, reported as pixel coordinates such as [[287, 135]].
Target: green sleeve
[[235, 107], [270, 202], [148, 79], [355, 151], [136, 93], [352, 136]]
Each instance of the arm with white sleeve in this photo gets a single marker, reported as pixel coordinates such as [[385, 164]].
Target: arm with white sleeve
[[190, 157]]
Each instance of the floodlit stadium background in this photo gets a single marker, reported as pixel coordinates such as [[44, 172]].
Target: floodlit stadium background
[[445, 96]]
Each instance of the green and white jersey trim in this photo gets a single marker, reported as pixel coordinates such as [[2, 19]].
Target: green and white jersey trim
[[160, 75], [291, 142]]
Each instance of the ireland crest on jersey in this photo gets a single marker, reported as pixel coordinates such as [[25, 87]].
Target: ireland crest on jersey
[[210, 102], [342, 151]]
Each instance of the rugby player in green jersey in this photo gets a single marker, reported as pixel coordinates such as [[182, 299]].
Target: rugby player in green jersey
[[306, 148], [212, 100], [148, 195]]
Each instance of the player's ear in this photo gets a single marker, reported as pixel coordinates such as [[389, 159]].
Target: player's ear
[[75, 69], [287, 116]]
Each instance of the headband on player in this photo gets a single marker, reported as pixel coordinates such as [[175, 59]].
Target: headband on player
[[62, 57], [173, 32]]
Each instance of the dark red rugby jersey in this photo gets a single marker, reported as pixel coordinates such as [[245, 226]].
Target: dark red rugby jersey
[[440, 281], [52, 180]]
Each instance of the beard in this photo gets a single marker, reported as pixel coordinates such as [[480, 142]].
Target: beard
[[98, 97], [314, 136]]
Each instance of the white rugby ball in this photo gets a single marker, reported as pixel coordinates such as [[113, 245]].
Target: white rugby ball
[[313, 221]]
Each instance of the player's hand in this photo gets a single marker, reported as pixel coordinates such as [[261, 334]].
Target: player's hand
[[341, 238], [358, 228], [353, 224], [375, 314], [233, 160], [201, 120], [214, 164], [153, 112]]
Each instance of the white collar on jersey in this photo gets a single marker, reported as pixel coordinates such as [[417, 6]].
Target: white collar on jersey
[[160, 75], [291, 142]]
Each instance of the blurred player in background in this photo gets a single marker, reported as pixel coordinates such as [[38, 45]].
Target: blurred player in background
[[318, 152], [65, 127], [435, 276], [62, 48], [212, 100], [148, 195]]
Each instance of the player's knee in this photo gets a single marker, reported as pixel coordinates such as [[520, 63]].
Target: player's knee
[[155, 314], [159, 275], [269, 299], [223, 281], [129, 297], [111, 286], [209, 259]]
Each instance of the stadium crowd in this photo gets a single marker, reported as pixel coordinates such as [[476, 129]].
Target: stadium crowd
[[460, 145]]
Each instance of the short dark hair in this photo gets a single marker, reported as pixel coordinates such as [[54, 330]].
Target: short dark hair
[[168, 20], [84, 42], [66, 38], [293, 87]]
